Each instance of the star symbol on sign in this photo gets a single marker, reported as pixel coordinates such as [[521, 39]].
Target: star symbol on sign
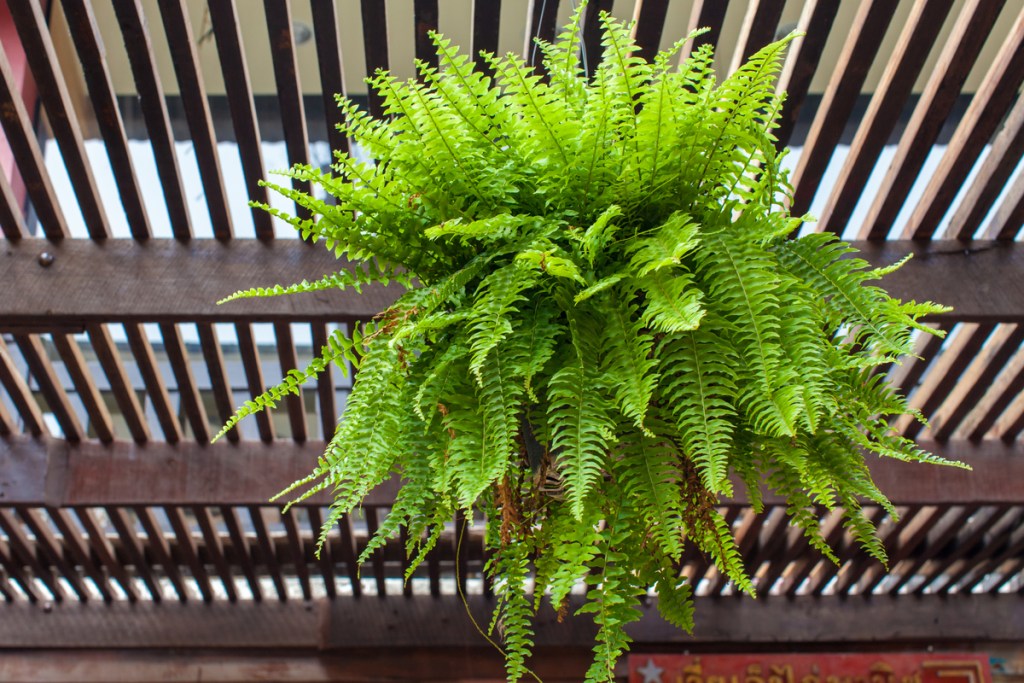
[[651, 673]]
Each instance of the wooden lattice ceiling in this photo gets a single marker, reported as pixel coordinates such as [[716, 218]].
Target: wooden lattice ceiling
[[116, 367]]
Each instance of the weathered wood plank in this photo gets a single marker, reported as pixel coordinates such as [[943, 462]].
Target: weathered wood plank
[[915, 42], [56, 473], [21, 137], [156, 388], [375, 46], [90, 282], [185, 279], [120, 385], [185, 58], [60, 113], [21, 396], [862, 44], [50, 385], [402, 622], [132, 20], [988, 107], [332, 75], [289, 89], [649, 22], [243, 110], [995, 172], [486, 19], [757, 29], [92, 55], [85, 385], [802, 62], [976, 19]]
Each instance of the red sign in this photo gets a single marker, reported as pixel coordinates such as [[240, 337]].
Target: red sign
[[814, 668]]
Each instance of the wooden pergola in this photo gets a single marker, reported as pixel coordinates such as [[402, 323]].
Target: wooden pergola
[[129, 545]]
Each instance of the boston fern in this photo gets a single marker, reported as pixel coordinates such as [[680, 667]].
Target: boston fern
[[606, 324]]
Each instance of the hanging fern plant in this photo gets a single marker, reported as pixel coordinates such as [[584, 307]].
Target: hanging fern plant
[[605, 323]]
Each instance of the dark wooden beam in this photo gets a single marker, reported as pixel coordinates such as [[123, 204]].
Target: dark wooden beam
[[56, 473], [169, 281], [347, 625]]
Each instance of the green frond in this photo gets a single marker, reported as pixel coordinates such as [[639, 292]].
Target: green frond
[[627, 365], [699, 390]]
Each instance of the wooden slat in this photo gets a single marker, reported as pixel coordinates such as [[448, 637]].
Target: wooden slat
[[7, 423], [757, 30], [889, 533], [709, 14], [289, 90], [844, 87], [1013, 549], [996, 169], [89, 283], [154, 382], [377, 559], [850, 549], [424, 22], [241, 554], [947, 372], [50, 385], [915, 42], [267, 554], [215, 550], [177, 26], [219, 381], [802, 62], [833, 531], [649, 22], [368, 632], [47, 72], [1009, 393], [297, 552], [332, 73], [254, 378], [99, 417], [542, 17], [16, 572], [591, 47], [71, 541], [1013, 430], [903, 545], [21, 136], [129, 537], [939, 535], [326, 559], [23, 552], [159, 549], [124, 393], [92, 56], [228, 37], [994, 537], [188, 391], [349, 554], [325, 386], [980, 381], [968, 538], [1009, 218], [976, 19], [21, 395], [375, 46], [101, 548], [12, 221], [154, 110], [486, 19], [288, 360], [52, 550], [988, 107], [187, 546]]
